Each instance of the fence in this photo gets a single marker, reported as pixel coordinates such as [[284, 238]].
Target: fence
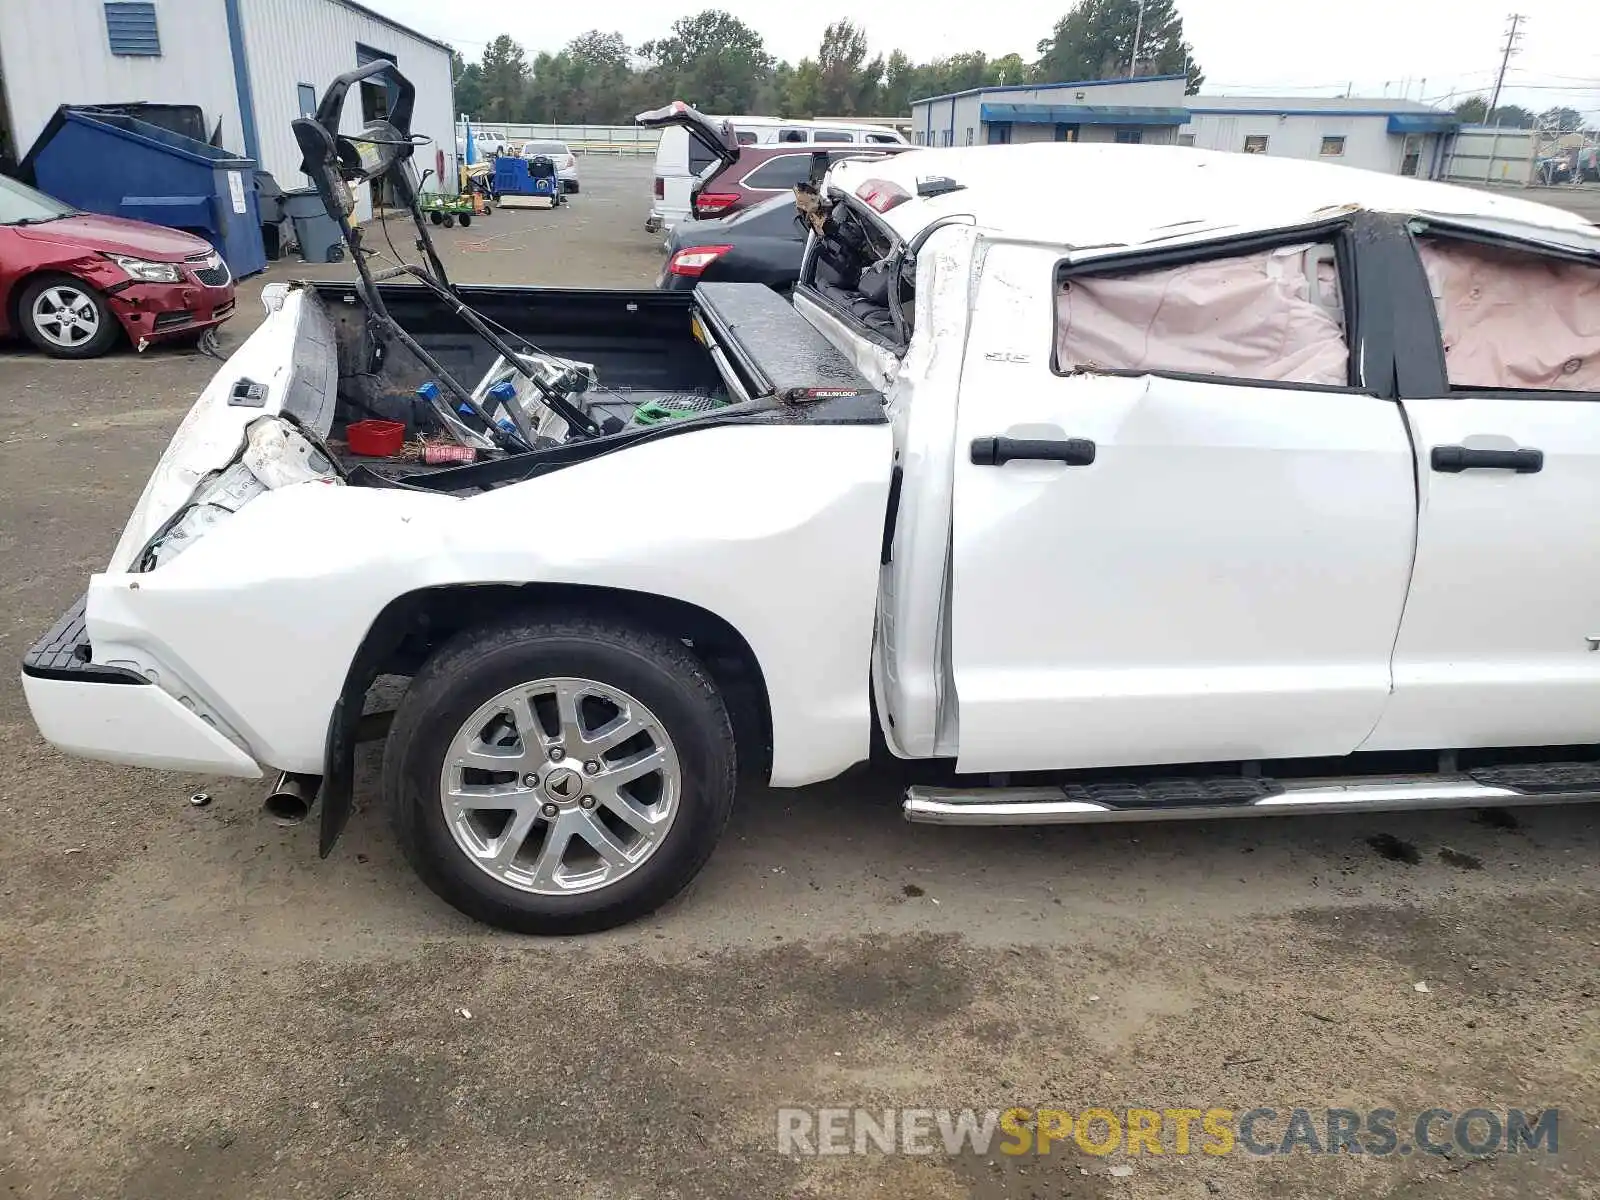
[[1521, 157], [1487, 154], [583, 139]]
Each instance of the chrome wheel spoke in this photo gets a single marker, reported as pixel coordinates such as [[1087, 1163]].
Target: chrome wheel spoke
[[604, 843], [620, 774], [547, 865], [625, 810], [506, 846], [611, 735]]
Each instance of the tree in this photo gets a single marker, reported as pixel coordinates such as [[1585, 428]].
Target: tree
[[847, 84], [899, 77], [504, 79], [1474, 110], [468, 82], [1561, 119], [712, 59], [1096, 41]]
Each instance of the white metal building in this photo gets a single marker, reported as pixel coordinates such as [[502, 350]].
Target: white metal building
[[1148, 109], [250, 65], [1397, 137]]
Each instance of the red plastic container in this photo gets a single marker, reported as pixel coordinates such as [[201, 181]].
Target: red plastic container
[[376, 439]]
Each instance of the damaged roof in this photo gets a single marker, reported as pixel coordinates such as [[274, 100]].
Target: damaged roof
[[1077, 194]]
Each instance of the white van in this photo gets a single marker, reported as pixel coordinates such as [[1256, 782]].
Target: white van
[[693, 142]]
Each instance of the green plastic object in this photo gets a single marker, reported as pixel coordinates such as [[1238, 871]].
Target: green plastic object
[[658, 412]]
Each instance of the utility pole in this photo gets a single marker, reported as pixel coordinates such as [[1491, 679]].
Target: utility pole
[[1138, 36], [1512, 35]]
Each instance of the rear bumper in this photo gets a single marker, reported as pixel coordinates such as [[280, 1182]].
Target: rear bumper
[[155, 311], [117, 715]]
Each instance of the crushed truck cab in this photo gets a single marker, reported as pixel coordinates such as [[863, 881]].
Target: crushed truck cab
[[1267, 490]]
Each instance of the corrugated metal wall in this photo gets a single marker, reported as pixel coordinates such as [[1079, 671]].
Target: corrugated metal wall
[[55, 52], [290, 42]]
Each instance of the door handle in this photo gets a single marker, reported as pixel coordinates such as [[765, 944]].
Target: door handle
[[1455, 459], [997, 451]]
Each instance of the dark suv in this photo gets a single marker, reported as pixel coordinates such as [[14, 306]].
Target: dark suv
[[761, 172]]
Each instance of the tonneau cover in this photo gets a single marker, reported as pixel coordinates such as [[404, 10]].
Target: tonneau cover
[[780, 351]]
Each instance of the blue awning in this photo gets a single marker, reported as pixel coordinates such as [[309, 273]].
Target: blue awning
[[1081, 114], [1423, 122]]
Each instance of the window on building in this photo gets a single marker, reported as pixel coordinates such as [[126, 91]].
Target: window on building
[[1271, 315], [946, 136], [131, 28], [1129, 135], [1514, 320], [1186, 139], [968, 142], [1332, 147], [308, 99], [1255, 143]]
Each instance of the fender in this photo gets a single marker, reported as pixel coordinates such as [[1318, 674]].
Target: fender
[[773, 529]]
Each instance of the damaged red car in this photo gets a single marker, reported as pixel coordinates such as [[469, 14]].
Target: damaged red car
[[73, 283]]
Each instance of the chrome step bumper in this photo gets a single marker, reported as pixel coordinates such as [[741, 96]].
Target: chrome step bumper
[[1190, 800]]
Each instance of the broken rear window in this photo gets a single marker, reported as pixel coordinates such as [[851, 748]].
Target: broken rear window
[[1272, 315]]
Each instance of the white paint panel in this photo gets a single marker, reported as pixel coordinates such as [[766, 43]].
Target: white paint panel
[[290, 42], [306, 569], [55, 52], [1507, 584], [141, 726], [1224, 581]]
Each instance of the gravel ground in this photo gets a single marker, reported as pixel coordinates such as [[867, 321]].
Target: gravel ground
[[192, 1004]]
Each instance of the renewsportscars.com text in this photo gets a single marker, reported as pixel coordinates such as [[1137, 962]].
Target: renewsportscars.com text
[[1379, 1132]]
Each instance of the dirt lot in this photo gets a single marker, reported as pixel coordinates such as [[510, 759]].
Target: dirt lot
[[192, 1004]]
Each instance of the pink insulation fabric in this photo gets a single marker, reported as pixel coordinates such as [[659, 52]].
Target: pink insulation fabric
[[1515, 320], [1268, 315]]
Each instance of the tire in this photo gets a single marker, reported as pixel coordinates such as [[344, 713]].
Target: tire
[[471, 677], [449, 221], [436, 217], [466, 220], [66, 318]]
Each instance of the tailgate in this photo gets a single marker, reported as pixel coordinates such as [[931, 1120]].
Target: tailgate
[[771, 348]]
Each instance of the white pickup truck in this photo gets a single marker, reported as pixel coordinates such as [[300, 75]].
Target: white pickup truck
[[1129, 482]]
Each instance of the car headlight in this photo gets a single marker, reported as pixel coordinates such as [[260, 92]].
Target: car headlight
[[146, 271]]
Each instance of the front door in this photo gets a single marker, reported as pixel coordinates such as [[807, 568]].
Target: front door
[[1170, 565], [1499, 643]]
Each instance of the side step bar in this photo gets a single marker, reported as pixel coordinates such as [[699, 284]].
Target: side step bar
[[1179, 800]]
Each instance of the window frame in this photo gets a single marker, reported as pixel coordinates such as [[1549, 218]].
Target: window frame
[[760, 167], [1360, 250], [301, 90], [140, 8], [1128, 135], [1264, 138], [1324, 152], [1432, 379]]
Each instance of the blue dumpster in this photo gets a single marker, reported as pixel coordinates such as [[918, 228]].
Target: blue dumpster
[[118, 165]]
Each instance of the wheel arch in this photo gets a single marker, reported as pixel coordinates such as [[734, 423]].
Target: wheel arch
[[19, 286], [412, 625]]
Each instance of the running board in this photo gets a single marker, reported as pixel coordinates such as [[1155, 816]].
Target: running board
[[1196, 799]]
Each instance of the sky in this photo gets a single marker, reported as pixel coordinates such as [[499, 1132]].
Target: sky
[[1434, 50]]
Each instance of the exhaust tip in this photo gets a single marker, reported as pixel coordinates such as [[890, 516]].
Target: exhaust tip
[[291, 798]]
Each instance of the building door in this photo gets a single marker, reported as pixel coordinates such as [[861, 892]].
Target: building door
[[998, 133], [1066, 133], [1410, 154]]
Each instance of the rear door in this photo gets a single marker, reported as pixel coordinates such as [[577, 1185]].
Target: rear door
[[712, 145], [1498, 645], [1182, 521]]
